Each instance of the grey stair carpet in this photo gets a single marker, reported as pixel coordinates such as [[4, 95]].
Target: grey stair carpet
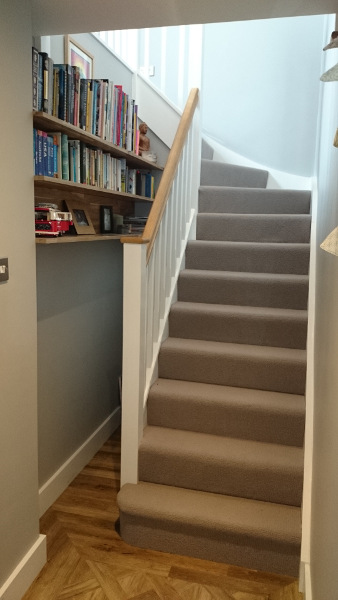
[[269, 472], [253, 228], [221, 459], [220, 173], [242, 413], [211, 526], [261, 326], [232, 200], [245, 289], [249, 257]]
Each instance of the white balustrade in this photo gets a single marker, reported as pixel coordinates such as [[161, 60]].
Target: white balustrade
[[151, 270]]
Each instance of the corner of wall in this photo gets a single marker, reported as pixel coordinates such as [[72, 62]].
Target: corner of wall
[[26, 571]]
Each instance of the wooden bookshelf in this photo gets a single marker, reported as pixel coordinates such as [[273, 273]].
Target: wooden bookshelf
[[90, 190], [70, 239], [49, 123], [58, 191]]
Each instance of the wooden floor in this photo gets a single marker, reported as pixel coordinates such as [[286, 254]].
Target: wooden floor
[[87, 560]]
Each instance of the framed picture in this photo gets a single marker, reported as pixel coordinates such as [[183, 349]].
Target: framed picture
[[106, 219], [81, 219], [77, 56]]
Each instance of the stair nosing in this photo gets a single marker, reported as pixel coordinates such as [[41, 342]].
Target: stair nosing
[[281, 533]]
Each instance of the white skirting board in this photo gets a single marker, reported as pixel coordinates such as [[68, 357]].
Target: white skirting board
[[26, 571], [52, 489], [305, 584]]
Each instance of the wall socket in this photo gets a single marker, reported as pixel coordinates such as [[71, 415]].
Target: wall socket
[[4, 273], [147, 71]]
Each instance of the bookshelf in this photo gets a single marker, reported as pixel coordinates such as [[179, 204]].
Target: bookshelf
[[58, 191]]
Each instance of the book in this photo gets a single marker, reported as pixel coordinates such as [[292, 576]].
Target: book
[[40, 82], [44, 91], [131, 188], [35, 70], [83, 103], [50, 86], [50, 156], [57, 154], [76, 120], [65, 156]]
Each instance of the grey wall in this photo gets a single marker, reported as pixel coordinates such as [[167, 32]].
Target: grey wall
[[106, 66], [19, 525], [324, 533], [79, 299], [260, 89]]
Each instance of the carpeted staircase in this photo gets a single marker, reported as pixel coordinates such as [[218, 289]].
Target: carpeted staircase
[[221, 460]]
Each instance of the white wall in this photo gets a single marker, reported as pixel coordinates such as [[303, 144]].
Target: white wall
[[19, 525], [175, 54], [324, 534], [260, 89]]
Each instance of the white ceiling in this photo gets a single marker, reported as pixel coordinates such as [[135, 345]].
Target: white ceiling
[[52, 17]]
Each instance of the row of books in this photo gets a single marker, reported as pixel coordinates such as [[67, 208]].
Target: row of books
[[97, 106], [133, 225], [72, 160]]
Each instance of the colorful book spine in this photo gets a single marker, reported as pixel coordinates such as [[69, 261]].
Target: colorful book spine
[[65, 156], [35, 73]]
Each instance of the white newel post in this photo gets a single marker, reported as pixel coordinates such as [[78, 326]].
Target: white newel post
[[134, 358]]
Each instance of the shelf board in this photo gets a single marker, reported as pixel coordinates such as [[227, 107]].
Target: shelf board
[[70, 186], [69, 239], [49, 123]]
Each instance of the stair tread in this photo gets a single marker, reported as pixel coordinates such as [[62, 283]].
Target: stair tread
[[222, 465], [269, 353], [211, 448], [288, 246], [251, 398], [291, 277], [244, 413], [229, 309], [242, 516]]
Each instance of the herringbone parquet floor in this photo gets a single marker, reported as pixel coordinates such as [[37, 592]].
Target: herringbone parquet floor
[[87, 560]]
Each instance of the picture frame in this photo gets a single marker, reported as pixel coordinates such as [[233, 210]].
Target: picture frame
[[77, 56], [106, 219], [81, 219]]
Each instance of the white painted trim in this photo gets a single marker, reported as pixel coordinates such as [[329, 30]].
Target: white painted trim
[[26, 571], [309, 395], [276, 180], [308, 582], [59, 481], [161, 115]]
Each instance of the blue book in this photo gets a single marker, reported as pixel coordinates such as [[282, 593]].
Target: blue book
[[50, 156], [65, 156], [44, 153]]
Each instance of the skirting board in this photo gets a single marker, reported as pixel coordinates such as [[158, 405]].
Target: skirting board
[[305, 584], [52, 489], [26, 571]]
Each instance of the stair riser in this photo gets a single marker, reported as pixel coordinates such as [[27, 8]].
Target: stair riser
[[238, 329], [225, 419], [249, 258], [243, 292], [221, 476], [178, 538], [249, 228], [238, 371], [251, 201], [217, 173]]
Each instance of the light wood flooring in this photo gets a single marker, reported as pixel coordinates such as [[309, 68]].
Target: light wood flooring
[[87, 560]]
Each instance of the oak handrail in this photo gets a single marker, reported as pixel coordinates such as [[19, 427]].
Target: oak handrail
[[164, 188]]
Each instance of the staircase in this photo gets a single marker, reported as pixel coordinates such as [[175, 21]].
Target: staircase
[[221, 460]]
